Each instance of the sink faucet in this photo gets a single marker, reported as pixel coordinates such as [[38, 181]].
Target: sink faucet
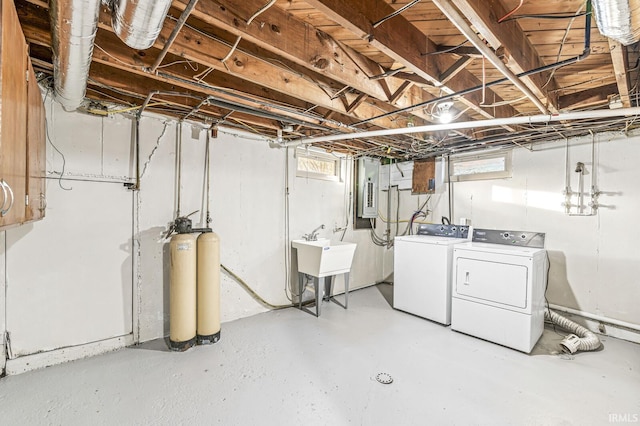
[[313, 236]]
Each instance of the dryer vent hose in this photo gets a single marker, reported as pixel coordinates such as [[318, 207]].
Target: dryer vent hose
[[581, 339]]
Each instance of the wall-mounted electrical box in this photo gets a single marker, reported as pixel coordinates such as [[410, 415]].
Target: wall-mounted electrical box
[[368, 178], [401, 175]]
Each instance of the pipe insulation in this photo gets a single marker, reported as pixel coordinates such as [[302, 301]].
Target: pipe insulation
[[73, 29], [618, 19], [138, 22], [581, 339]]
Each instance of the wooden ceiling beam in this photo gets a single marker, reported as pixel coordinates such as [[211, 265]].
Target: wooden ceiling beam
[[589, 97], [620, 68], [130, 90], [402, 41], [193, 46], [403, 88], [460, 50], [454, 69], [520, 55], [278, 31]]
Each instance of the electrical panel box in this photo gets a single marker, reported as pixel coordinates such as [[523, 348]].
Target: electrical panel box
[[368, 181], [401, 175]]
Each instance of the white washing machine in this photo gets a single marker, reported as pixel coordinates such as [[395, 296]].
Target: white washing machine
[[422, 271], [499, 284]]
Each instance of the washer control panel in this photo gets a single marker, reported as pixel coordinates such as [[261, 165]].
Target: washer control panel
[[511, 238], [437, 230]]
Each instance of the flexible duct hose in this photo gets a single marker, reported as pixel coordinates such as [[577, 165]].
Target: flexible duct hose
[[581, 339]]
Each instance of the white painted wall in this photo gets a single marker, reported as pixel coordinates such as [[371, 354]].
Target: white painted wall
[[119, 234], [595, 261]]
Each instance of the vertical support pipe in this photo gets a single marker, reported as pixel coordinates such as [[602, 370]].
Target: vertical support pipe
[[179, 164], [137, 185]]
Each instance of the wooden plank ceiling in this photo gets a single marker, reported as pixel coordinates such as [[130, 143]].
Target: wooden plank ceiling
[[318, 67]]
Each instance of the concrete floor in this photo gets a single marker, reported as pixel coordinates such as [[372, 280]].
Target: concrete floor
[[289, 368]]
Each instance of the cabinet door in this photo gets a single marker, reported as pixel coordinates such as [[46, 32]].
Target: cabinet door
[[36, 150], [13, 136]]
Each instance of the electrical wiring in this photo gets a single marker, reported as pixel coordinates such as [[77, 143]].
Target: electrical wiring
[[188, 62], [64, 159], [260, 11], [234, 47], [420, 213], [562, 43], [451, 49], [396, 13], [123, 110], [117, 59], [503, 103], [381, 242]]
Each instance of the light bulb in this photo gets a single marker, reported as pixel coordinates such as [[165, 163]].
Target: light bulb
[[444, 112], [446, 117]]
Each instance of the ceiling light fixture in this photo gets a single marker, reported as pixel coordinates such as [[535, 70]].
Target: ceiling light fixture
[[445, 115]]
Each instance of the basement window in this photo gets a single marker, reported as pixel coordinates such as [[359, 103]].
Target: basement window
[[484, 166], [317, 165]]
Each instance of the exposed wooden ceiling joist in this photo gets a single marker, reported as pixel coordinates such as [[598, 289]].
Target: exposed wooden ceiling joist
[[595, 96], [621, 69], [520, 55], [402, 41], [283, 34], [323, 67]]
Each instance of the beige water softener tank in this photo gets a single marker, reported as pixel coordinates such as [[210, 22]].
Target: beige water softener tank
[[182, 292], [208, 328]]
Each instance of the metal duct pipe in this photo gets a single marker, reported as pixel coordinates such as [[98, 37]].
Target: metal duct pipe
[[73, 30], [138, 22], [618, 19]]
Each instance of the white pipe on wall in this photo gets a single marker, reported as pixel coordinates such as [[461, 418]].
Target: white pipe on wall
[[541, 118], [595, 317]]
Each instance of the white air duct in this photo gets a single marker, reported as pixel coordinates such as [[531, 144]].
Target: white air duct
[[138, 22], [618, 19], [581, 339], [73, 30]]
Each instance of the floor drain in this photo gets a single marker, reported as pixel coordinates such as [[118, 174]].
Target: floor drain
[[384, 378]]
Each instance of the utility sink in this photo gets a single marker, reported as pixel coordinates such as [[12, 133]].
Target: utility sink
[[323, 258]]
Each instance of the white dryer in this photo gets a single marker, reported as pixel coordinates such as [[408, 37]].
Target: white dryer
[[422, 271], [499, 284]]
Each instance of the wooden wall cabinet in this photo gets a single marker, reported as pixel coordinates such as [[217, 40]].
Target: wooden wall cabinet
[[22, 132]]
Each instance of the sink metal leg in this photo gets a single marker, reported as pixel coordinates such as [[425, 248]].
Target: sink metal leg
[[324, 291], [300, 289], [319, 284], [328, 287], [346, 289]]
